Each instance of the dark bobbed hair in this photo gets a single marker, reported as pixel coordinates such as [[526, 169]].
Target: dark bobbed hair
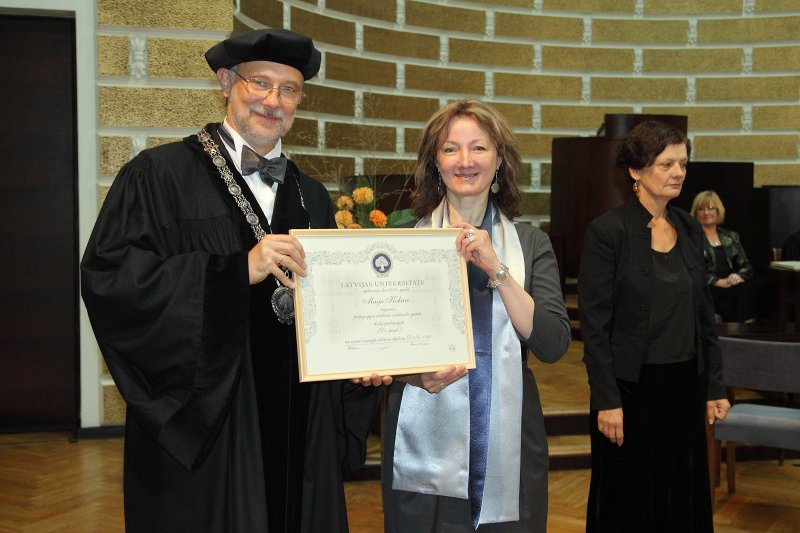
[[427, 195], [640, 146]]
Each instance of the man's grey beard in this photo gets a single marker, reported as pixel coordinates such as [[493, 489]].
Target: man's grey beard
[[273, 113]]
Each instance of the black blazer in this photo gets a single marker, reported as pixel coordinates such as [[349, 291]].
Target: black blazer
[[735, 256], [614, 298]]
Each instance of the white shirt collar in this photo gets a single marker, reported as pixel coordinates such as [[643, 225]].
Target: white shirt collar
[[264, 193]]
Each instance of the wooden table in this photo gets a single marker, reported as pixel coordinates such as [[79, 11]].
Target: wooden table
[[789, 275]]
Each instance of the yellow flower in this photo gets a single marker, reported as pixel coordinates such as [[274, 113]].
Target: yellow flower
[[363, 195], [354, 226], [344, 202], [343, 218], [377, 217]]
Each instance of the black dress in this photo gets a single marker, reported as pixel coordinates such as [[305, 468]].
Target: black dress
[[220, 436], [658, 479]]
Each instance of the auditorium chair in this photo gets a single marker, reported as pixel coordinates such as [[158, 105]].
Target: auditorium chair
[[767, 366]]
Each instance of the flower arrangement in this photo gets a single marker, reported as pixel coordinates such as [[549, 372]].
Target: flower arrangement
[[359, 209]]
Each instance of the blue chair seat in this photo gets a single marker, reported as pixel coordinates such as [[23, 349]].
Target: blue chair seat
[[764, 425], [769, 366]]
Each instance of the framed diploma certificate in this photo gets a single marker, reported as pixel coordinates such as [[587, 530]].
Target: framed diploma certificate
[[385, 301]]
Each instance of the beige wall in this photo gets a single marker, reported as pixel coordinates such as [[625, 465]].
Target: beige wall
[[553, 67]]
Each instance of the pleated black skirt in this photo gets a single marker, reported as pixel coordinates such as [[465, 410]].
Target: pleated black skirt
[[657, 481]]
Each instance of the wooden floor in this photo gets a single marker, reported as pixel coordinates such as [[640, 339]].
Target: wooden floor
[[563, 386], [48, 484], [767, 499]]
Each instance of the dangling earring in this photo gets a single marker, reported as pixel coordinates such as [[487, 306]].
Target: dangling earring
[[439, 184], [636, 188], [495, 188]]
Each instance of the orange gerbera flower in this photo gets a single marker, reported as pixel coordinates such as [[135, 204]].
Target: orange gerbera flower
[[377, 217]]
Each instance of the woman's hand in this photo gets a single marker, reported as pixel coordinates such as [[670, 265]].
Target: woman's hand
[[609, 422], [735, 279], [476, 247], [435, 382], [717, 410], [730, 281], [373, 380]]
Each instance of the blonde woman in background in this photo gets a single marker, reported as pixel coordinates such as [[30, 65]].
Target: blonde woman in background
[[730, 275]]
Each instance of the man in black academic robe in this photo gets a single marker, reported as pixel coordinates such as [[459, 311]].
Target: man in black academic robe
[[220, 435]]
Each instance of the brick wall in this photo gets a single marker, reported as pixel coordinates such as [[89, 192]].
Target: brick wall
[[553, 68]]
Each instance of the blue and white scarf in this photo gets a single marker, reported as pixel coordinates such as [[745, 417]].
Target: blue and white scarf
[[432, 443]]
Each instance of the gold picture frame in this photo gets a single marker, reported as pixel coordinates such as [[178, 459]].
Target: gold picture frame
[[384, 301]]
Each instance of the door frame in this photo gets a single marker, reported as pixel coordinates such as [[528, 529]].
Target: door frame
[[84, 14]]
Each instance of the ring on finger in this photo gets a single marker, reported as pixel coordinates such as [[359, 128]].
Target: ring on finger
[[471, 232], [280, 260], [471, 238]]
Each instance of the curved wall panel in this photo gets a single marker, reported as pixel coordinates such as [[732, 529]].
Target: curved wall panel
[[554, 68]]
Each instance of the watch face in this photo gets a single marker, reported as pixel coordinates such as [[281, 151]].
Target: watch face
[[502, 273]]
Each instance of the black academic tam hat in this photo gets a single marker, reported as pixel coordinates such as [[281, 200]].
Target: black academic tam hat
[[276, 45]]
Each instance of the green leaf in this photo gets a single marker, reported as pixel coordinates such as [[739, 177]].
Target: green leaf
[[400, 217]]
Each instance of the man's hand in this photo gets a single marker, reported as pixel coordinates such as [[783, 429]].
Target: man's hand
[[274, 253]]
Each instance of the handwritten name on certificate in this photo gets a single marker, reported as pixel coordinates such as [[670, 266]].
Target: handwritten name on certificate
[[388, 301]]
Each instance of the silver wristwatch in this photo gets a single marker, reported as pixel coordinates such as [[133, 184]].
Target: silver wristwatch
[[499, 277]]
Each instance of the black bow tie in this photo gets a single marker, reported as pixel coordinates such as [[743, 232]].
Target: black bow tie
[[270, 170]]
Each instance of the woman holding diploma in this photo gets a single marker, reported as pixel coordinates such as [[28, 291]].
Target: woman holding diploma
[[467, 454]]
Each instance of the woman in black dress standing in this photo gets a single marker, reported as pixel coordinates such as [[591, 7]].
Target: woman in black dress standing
[[650, 351]]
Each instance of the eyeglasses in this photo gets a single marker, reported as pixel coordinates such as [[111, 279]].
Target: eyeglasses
[[261, 88], [709, 209]]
